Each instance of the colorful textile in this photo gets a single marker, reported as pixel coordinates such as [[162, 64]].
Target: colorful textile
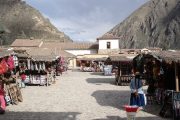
[[3, 66], [32, 66], [2, 102], [23, 77], [10, 63], [28, 64], [15, 60], [43, 66]]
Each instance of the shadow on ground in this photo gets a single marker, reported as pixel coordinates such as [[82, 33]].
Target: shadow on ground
[[39, 116], [137, 118], [75, 70], [99, 81], [97, 73], [117, 99], [113, 98]]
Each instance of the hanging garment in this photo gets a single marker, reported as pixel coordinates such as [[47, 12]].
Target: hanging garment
[[10, 63], [40, 66], [3, 66], [3, 103], [43, 66], [36, 68], [23, 77], [32, 66], [28, 64], [15, 60], [7, 99], [23, 67]]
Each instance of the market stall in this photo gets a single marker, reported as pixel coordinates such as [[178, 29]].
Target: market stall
[[122, 63], [9, 90], [37, 67], [161, 71], [92, 64]]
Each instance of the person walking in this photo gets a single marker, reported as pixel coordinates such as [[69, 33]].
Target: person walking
[[137, 97]]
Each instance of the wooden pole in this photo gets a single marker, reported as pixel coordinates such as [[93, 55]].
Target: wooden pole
[[176, 77]]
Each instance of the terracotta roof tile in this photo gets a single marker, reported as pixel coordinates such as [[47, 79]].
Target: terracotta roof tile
[[122, 57], [108, 36], [70, 46], [26, 43], [168, 55]]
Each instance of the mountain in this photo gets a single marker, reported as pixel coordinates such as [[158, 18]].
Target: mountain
[[23, 21], [155, 24]]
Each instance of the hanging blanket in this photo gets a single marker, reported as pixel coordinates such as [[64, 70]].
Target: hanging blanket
[[3, 66], [10, 63], [2, 101]]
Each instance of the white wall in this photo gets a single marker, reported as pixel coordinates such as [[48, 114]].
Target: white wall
[[114, 44], [81, 52]]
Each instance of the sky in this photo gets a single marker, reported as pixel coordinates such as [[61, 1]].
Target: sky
[[85, 20]]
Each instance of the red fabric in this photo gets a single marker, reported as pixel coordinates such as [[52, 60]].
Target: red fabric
[[62, 60], [23, 77], [3, 66], [10, 63], [3, 103], [1, 89]]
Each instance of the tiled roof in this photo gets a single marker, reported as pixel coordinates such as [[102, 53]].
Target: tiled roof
[[66, 54], [122, 57], [70, 46], [168, 55], [21, 53], [46, 54], [40, 52], [108, 36], [26, 43]]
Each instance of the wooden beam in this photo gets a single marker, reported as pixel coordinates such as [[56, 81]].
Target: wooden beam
[[176, 77]]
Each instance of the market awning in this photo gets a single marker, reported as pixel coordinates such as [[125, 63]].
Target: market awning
[[123, 57], [22, 55], [168, 56], [93, 59], [44, 58]]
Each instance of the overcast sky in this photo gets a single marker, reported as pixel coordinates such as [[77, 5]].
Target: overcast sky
[[85, 20]]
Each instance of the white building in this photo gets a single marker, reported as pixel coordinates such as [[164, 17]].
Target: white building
[[108, 44]]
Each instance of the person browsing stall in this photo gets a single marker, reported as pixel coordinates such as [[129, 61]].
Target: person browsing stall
[[137, 94]]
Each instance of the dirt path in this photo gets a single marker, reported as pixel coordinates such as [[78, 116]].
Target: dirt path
[[75, 96]]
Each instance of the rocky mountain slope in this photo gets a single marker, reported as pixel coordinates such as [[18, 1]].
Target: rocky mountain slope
[[155, 24], [23, 21]]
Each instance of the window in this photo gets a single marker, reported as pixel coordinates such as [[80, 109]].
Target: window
[[108, 45]]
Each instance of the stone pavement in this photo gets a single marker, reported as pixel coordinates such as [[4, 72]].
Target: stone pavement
[[75, 96]]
